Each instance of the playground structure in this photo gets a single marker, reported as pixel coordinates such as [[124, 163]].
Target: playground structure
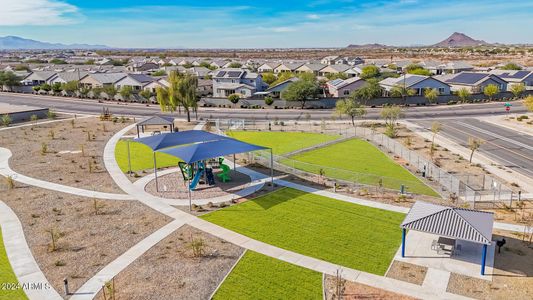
[[198, 151]]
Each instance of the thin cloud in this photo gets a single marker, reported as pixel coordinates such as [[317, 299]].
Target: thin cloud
[[37, 12]]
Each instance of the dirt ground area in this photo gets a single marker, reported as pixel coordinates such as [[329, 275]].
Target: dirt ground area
[[352, 290], [170, 270], [88, 235], [174, 187], [512, 277], [407, 272], [67, 152]]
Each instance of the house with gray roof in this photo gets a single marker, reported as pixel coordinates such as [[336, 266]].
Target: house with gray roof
[[473, 82], [515, 77], [334, 69], [200, 72], [329, 60], [418, 83], [310, 68], [275, 91], [342, 88], [64, 77], [38, 78], [455, 67], [93, 80], [236, 81], [135, 81], [287, 67], [268, 67]]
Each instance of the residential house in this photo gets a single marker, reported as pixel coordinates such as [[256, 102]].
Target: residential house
[[142, 66], [333, 69], [455, 67], [135, 81], [418, 83], [268, 67], [200, 72], [515, 77], [64, 77], [341, 88], [275, 91], [37, 78], [287, 67], [236, 81], [152, 86], [473, 82], [435, 67], [218, 63], [310, 68], [93, 80], [329, 60]]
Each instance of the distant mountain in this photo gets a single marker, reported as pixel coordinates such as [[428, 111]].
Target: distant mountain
[[458, 39], [369, 46], [15, 42]]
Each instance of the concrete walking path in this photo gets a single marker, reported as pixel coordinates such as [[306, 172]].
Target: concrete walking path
[[93, 285], [22, 261], [6, 171], [377, 281]]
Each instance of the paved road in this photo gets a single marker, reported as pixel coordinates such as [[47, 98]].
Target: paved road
[[505, 146], [92, 106]]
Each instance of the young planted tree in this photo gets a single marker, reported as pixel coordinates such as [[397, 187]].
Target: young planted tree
[[57, 88], [126, 92], [435, 129], [351, 108], [70, 87], [431, 95], [8, 79], [391, 114], [517, 89], [528, 103], [370, 71], [110, 91], [301, 90], [234, 98], [146, 94], [268, 77], [473, 145], [97, 92], [369, 91], [6, 120], [401, 91], [491, 90], [463, 94], [46, 87], [84, 91]]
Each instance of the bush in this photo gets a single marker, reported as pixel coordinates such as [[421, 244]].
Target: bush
[[51, 114], [269, 100], [6, 120]]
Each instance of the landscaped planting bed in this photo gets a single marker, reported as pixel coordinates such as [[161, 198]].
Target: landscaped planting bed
[[88, 235], [358, 161], [343, 233], [257, 276], [282, 142], [66, 152], [354, 290], [169, 270], [8, 279]]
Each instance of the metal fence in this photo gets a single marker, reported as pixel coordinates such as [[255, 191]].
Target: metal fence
[[467, 188]]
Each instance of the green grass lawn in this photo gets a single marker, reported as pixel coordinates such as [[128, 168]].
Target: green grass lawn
[[257, 276], [343, 233], [7, 276], [282, 142], [141, 157], [358, 160]]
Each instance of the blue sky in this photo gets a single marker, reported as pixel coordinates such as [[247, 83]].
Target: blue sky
[[248, 24]]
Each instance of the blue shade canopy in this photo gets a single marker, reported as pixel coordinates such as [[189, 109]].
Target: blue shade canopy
[[203, 151], [174, 139]]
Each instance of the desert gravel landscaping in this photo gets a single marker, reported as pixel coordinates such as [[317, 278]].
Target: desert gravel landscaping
[[407, 272], [352, 290], [169, 270], [63, 160], [85, 241]]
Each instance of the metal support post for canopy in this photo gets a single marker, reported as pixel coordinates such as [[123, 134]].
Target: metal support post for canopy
[[129, 159], [271, 169], [155, 173], [234, 170]]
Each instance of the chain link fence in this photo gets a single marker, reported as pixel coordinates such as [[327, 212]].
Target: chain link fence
[[471, 189]]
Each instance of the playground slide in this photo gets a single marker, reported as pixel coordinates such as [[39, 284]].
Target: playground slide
[[196, 179]]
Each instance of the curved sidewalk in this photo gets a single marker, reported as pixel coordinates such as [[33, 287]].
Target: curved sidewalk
[[6, 171], [22, 261], [377, 281]]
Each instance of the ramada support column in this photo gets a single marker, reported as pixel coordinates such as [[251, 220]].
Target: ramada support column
[[483, 259], [403, 241], [155, 173], [271, 169]]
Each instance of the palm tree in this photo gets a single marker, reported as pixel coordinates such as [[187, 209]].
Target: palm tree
[[181, 92]]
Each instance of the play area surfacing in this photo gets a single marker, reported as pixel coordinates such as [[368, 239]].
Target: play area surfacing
[[173, 186]]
